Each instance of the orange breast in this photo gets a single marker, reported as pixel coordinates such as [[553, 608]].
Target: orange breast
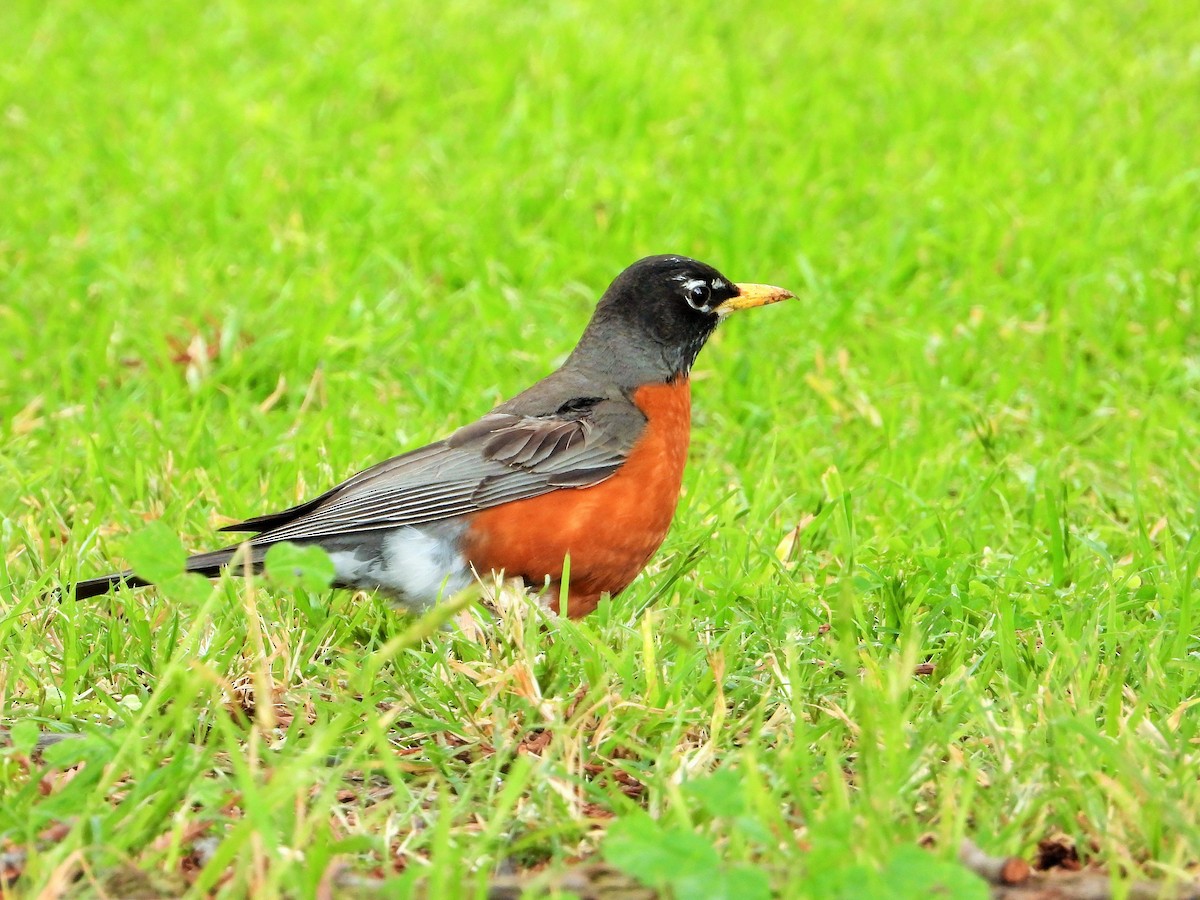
[[609, 530]]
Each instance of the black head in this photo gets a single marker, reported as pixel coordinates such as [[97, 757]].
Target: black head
[[656, 316]]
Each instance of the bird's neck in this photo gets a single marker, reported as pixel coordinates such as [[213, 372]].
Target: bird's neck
[[630, 357]]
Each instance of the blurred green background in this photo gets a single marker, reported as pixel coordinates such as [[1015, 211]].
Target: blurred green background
[[247, 249]]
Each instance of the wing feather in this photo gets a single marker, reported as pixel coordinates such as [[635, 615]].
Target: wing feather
[[498, 459]]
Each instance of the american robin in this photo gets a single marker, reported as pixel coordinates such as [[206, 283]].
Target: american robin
[[587, 463]]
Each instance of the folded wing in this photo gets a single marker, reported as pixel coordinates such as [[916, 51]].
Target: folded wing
[[498, 459]]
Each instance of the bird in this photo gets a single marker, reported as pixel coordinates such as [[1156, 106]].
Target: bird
[[584, 468]]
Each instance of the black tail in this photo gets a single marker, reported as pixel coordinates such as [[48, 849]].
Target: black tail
[[98, 587], [207, 564]]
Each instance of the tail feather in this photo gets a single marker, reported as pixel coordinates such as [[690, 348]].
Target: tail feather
[[207, 564], [98, 587]]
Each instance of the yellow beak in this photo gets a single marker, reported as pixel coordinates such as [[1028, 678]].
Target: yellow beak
[[752, 295]]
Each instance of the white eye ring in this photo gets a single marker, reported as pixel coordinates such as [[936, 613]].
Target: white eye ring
[[698, 295]]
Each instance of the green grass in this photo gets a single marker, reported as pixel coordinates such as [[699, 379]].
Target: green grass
[[247, 249]]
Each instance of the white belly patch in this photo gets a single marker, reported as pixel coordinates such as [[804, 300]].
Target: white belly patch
[[417, 565]]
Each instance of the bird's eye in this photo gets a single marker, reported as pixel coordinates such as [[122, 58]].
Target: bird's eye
[[698, 295]]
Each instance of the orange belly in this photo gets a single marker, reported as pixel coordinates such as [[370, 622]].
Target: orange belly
[[609, 530]]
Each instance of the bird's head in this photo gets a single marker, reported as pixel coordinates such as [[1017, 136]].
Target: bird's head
[[657, 314]]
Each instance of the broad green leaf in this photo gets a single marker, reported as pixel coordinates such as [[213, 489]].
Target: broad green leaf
[[914, 872], [748, 883], [155, 552], [719, 793], [93, 749], [24, 736], [306, 567], [739, 883], [188, 588], [910, 872], [639, 846]]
